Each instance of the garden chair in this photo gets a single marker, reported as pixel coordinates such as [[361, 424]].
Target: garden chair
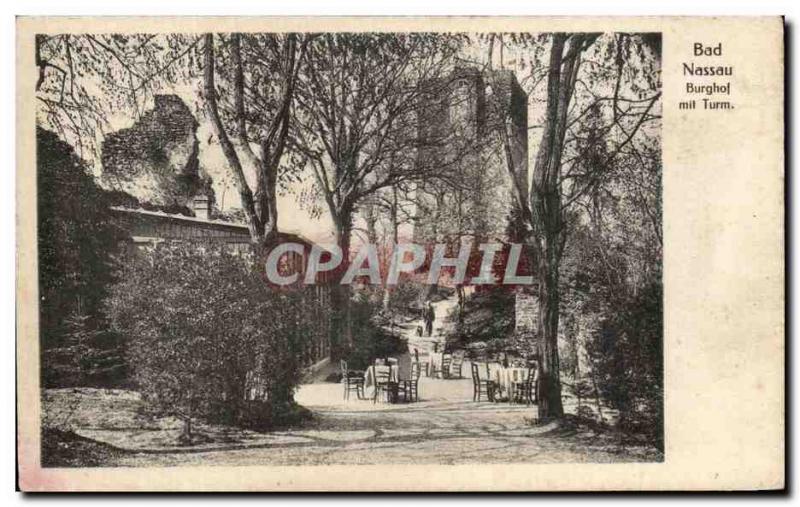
[[383, 384], [444, 368], [411, 386], [352, 380], [481, 386], [526, 390], [455, 367], [423, 364]]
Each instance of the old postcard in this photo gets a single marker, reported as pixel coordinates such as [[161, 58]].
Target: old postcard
[[400, 254]]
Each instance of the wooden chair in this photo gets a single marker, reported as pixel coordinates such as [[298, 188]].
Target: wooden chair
[[383, 384], [527, 389], [352, 380], [423, 364], [444, 368], [481, 386], [455, 367], [411, 386]]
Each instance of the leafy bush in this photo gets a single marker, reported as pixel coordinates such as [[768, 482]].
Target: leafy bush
[[372, 338], [207, 338], [404, 298], [626, 354], [487, 316]]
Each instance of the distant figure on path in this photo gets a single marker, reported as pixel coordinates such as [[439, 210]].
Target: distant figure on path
[[430, 316]]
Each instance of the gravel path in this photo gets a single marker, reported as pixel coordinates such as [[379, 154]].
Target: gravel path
[[446, 427]]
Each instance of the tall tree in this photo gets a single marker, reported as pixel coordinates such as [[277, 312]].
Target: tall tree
[[78, 245], [260, 72], [558, 183], [358, 102]]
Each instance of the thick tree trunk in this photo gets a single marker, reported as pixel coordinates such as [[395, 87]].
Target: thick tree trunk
[[210, 94], [545, 208], [341, 320], [549, 392], [260, 207]]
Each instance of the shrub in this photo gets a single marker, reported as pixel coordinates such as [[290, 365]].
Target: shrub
[[77, 243], [626, 354], [371, 336], [487, 316], [207, 338], [83, 356], [404, 298]]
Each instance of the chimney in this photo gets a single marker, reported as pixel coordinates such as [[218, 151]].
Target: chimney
[[202, 207]]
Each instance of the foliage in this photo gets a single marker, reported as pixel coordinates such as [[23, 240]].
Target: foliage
[[77, 243], [626, 353], [208, 339], [487, 316], [85, 356], [372, 336], [404, 298], [611, 303], [84, 78]]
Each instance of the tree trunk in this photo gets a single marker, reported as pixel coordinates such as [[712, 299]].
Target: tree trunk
[[187, 430], [341, 319], [549, 394], [395, 241], [461, 303], [210, 95], [545, 208]]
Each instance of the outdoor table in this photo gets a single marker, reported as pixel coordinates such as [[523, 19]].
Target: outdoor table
[[512, 376], [369, 380], [491, 371], [504, 377]]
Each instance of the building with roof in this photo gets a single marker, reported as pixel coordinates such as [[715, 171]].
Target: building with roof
[[147, 228]]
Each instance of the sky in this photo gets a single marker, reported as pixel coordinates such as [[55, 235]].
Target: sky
[[294, 217]]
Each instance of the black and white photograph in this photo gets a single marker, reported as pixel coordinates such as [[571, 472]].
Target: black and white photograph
[[349, 248]]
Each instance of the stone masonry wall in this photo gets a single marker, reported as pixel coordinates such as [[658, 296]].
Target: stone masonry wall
[[156, 159]]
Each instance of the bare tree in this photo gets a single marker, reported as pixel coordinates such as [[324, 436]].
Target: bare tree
[[260, 71], [84, 78], [357, 120]]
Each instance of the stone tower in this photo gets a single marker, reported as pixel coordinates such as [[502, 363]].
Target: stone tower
[[465, 123]]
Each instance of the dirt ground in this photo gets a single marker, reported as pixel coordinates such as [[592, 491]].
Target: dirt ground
[[445, 427]]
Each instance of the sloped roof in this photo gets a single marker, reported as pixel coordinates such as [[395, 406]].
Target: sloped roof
[[202, 221]]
